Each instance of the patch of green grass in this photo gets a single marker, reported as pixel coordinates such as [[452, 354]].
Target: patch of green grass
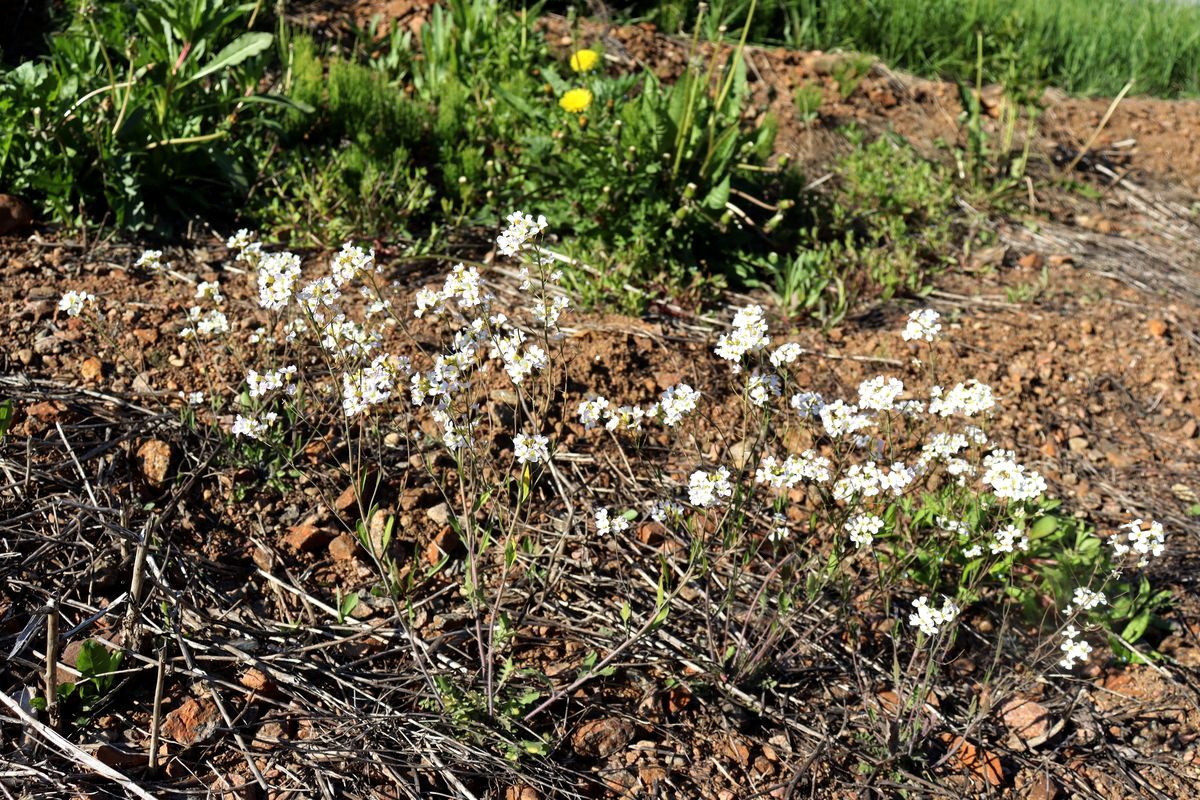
[[1083, 46]]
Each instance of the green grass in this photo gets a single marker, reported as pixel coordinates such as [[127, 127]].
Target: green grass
[[1088, 47]]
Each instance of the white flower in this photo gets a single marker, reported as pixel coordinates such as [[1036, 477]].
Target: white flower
[[606, 525], [1009, 480], [1007, 538], [1073, 648], [974, 551], [204, 323], [521, 228], [779, 530], [879, 393], [704, 488], [922, 325], [367, 387], [267, 382], [209, 290], [809, 404], [73, 302], [1088, 599], [761, 388], [152, 260], [785, 354], [749, 335], [676, 402], [531, 449], [930, 620], [252, 427], [967, 399], [625, 418], [863, 529], [592, 411], [841, 419], [1149, 541], [663, 511], [277, 275], [350, 262]]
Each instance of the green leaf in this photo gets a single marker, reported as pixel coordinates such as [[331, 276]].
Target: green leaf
[[347, 606], [1043, 527], [245, 46], [6, 416], [626, 612], [1136, 627]]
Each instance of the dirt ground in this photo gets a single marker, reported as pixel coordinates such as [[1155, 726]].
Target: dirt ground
[[1085, 318]]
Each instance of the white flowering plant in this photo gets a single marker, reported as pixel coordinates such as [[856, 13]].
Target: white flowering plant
[[766, 508]]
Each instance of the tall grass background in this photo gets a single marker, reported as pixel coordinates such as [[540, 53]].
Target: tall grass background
[[1087, 47]]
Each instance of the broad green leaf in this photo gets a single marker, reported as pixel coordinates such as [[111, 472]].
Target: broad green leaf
[[245, 46]]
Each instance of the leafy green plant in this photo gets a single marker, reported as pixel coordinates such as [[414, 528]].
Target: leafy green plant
[[134, 111], [808, 102], [97, 667], [849, 72]]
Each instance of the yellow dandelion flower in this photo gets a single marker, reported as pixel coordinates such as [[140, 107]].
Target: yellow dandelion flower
[[584, 60], [576, 100]]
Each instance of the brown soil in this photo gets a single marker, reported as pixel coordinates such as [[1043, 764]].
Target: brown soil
[[1096, 367]]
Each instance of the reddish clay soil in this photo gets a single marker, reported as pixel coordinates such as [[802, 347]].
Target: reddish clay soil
[[1097, 370]]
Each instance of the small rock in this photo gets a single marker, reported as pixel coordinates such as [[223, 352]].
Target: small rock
[[307, 537], [1157, 328], [146, 335], [154, 458], [344, 547], [48, 345], [346, 499], [1031, 261], [1077, 444], [91, 370], [440, 514], [25, 356], [141, 384], [258, 681], [520, 791], [445, 543], [1030, 722], [194, 721], [600, 738], [119, 757]]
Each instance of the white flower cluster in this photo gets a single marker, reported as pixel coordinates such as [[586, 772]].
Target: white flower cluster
[[204, 323], [762, 388], [73, 302], [277, 276], [254, 427], [863, 528], [261, 384], [531, 449], [879, 393], [1145, 539], [968, 399], [665, 511], [371, 385], [749, 335], [792, 470], [1086, 599], [1073, 648], [869, 480], [606, 524], [922, 325], [152, 260], [210, 290], [521, 229], [839, 418], [930, 620], [706, 488], [673, 405], [1008, 538], [1010, 480]]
